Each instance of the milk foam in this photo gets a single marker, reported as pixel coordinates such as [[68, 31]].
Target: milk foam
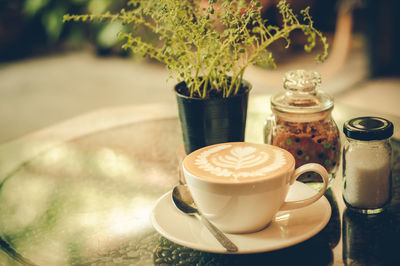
[[239, 161]]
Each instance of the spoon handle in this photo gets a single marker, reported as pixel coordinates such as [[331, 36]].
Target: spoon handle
[[222, 239]]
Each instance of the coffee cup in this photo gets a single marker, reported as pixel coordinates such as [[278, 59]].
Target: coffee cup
[[240, 186]]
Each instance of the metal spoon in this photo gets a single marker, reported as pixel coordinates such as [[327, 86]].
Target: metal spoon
[[183, 201]]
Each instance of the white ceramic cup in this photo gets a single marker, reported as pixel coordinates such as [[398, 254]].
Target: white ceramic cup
[[239, 194]]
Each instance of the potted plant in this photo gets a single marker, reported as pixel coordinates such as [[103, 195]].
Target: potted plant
[[207, 47]]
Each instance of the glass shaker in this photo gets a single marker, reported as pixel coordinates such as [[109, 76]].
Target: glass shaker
[[301, 123], [367, 179]]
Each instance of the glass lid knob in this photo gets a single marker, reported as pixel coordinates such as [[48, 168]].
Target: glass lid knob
[[302, 81]]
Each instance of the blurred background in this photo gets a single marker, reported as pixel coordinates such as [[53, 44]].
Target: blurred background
[[51, 71]]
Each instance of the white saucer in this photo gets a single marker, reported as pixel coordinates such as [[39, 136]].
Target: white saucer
[[287, 229]]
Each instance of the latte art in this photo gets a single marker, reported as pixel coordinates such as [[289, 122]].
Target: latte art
[[237, 161], [240, 158]]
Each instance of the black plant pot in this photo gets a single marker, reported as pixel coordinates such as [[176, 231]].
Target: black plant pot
[[213, 120]]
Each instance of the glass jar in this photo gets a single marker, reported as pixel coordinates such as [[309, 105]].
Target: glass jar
[[367, 179], [301, 123]]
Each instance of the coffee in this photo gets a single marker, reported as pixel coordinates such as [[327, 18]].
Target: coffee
[[240, 186], [238, 162]]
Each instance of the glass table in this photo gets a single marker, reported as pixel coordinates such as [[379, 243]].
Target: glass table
[[81, 192]]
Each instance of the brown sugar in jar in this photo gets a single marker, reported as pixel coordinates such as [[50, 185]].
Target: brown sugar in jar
[[302, 124], [309, 142]]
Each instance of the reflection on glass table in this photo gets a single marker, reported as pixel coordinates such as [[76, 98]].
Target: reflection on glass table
[[81, 192]]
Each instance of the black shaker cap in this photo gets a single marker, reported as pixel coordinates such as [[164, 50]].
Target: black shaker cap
[[368, 128]]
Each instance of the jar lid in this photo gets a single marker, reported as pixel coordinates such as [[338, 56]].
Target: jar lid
[[368, 128], [301, 93]]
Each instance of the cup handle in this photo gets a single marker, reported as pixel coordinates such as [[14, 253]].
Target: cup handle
[[310, 167]]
